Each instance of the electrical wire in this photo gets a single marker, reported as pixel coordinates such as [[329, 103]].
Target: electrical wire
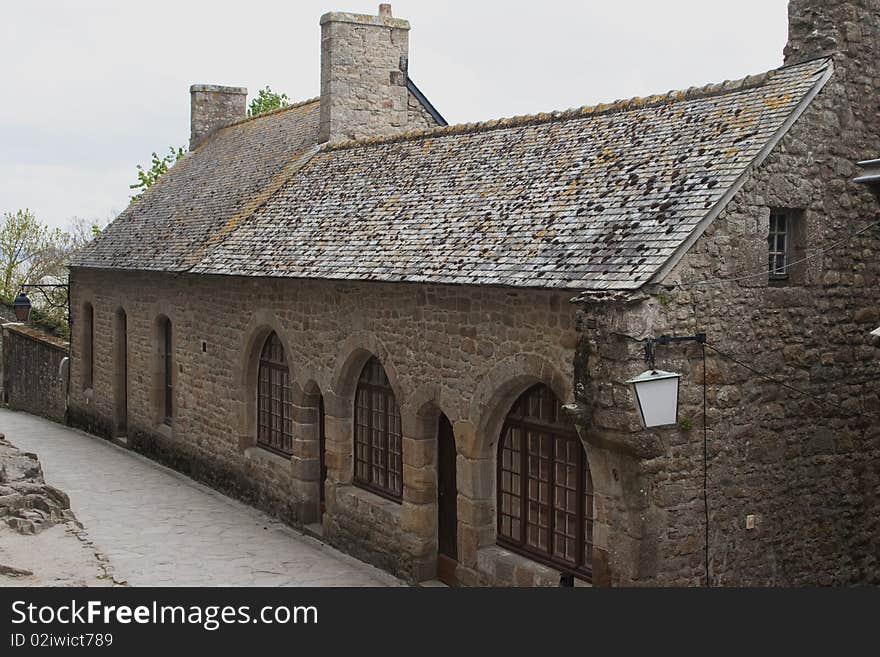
[[763, 272], [781, 384]]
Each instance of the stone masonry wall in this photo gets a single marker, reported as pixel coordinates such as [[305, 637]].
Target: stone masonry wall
[[465, 352], [32, 379], [806, 467]]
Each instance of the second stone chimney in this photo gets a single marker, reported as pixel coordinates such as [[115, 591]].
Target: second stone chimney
[[212, 107], [845, 28], [363, 75]]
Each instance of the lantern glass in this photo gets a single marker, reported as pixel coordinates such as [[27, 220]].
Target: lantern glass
[[657, 397]]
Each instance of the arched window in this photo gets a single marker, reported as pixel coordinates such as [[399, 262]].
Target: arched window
[[545, 493], [378, 462], [274, 399]]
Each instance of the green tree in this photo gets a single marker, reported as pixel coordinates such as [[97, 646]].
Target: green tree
[[266, 101], [81, 231], [31, 252], [159, 165]]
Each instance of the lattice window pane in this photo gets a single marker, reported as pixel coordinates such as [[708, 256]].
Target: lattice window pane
[[378, 438], [552, 521], [274, 399]]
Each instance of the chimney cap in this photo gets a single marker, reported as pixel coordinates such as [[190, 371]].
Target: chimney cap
[[382, 20], [218, 89]]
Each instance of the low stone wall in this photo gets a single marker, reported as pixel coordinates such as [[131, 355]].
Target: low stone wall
[[32, 379]]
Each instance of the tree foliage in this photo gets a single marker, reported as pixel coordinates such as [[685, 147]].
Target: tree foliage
[[32, 252], [266, 101], [158, 165], [29, 252]]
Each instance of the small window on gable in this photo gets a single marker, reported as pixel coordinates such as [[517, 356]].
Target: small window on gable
[[786, 243]]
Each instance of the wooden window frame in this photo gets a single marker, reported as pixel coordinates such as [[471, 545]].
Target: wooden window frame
[[375, 429], [786, 241], [556, 431], [273, 374], [779, 231]]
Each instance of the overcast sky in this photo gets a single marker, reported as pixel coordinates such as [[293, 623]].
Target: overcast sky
[[92, 87]]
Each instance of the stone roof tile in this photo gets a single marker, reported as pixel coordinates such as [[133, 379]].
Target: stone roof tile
[[597, 198]]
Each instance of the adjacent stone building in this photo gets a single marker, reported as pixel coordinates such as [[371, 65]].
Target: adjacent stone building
[[413, 338]]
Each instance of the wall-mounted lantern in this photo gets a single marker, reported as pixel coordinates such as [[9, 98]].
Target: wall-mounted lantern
[[21, 306], [656, 390], [657, 397]]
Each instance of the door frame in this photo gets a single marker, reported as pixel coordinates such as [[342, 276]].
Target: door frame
[[446, 470]]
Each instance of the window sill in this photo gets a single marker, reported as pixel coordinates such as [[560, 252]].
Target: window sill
[[506, 568], [260, 455], [352, 497]]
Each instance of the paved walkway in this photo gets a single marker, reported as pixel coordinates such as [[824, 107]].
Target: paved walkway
[[159, 528]]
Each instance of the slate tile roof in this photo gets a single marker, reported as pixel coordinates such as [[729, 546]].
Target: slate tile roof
[[172, 223], [598, 198]]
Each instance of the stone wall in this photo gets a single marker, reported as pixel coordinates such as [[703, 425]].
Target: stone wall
[[418, 117], [806, 467], [465, 352], [32, 378]]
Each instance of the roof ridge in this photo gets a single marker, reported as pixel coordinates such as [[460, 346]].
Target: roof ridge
[[277, 110], [673, 96]]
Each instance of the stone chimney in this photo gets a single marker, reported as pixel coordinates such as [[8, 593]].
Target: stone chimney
[[363, 75], [847, 28], [849, 31], [212, 107]]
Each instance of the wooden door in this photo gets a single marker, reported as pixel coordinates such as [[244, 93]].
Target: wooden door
[[447, 502]]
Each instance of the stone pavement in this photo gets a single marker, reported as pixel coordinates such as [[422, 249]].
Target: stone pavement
[[159, 528]]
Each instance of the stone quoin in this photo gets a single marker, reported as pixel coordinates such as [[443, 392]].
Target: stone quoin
[[415, 338]]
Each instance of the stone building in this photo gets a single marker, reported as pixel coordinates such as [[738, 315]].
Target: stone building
[[413, 338]]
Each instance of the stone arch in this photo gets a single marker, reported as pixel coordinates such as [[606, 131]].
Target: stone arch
[[355, 352], [422, 409], [422, 481], [501, 387], [160, 320], [261, 325], [477, 442], [120, 372], [357, 349]]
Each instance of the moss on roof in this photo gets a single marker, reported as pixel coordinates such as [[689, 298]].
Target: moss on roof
[[596, 198]]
